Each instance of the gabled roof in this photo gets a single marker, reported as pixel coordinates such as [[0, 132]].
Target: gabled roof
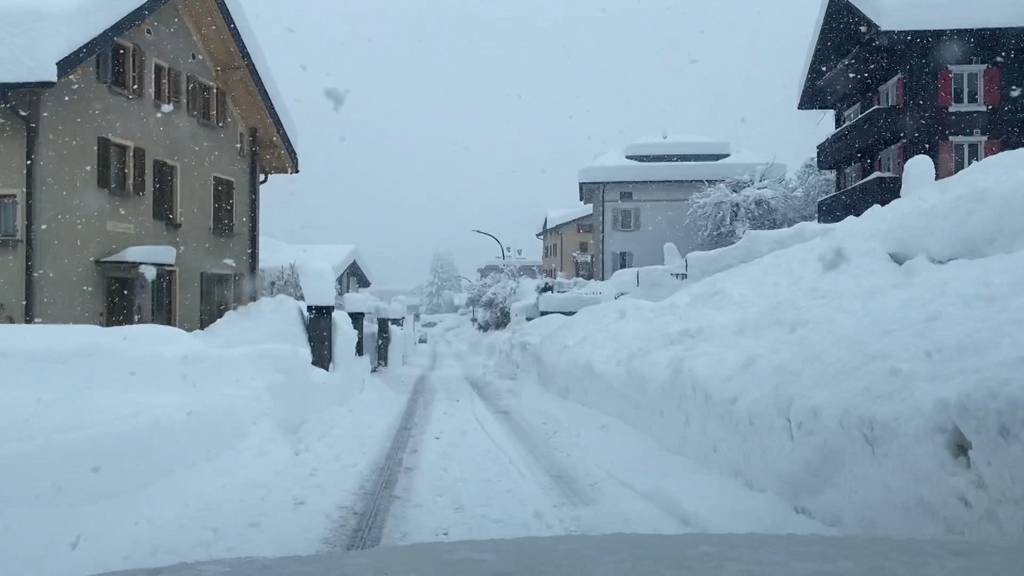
[[619, 165], [45, 40], [839, 21], [556, 218]]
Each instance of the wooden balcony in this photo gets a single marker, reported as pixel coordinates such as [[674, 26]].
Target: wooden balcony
[[877, 190], [874, 131]]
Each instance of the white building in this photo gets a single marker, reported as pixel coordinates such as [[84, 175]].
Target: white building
[[641, 195]]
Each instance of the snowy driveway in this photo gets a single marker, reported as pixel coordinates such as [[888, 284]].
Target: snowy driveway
[[496, 459]]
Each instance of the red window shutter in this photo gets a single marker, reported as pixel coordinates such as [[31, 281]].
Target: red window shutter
[[901, 91], [993, 87], [946, 88], [947, 160], [993, 147]]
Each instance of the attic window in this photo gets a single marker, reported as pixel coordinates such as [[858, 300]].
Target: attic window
[[121, 67], [207, 102]]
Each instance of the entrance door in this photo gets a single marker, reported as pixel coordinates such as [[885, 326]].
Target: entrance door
[[120, 301]]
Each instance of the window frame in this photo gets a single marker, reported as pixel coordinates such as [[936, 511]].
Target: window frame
[[889, 91], [632, 220], [845, 173], [129, 172], [175, 195], [213, 205], [962, 143], [852, 113], [11, 198], [626, 196], [963, 70], [889, 156]]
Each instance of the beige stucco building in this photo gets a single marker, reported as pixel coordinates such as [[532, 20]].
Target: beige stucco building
[[568, 243], [130, 171]]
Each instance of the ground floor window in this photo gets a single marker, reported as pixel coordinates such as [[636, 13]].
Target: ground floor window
[[8, 216], [967, 151], [623, 260], [141, 295], [219, 294], [164, 296]]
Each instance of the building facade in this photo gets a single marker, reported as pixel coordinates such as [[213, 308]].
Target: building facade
[[568, 237], [130, 183], [944, 83], [641, 194]]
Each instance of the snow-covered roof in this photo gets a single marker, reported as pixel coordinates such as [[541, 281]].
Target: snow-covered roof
[[153, 255], [35, 35], [319, 265], [556, 218], [615, 166], [943, 14]]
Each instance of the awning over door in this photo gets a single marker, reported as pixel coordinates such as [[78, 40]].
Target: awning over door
[[152, 255]]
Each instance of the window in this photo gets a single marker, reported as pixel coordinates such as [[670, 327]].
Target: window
[[554, 250], [218, 294], [967, 151], [626, 219], [121, 68], [889, 93], [8, 216], [584, 228], [223, 206], [851, 176], [206, 101], [164, 296], [120, 167], [968, 86], [166, 84], [890, 161], [165, 191], [623, 260], [584, 247], [625, 196], [851, 113]]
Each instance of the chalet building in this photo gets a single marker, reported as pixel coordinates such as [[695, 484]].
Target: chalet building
[[296, 270], [941, 78], [640, 195], [134, 137], [568, 237]]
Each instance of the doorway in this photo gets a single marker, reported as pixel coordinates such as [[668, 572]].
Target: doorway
[[120, 301]]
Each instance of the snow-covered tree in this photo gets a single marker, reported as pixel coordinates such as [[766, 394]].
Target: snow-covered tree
[[724, 212], [443, 284], [492, 298], [806, 187], [283, 280]]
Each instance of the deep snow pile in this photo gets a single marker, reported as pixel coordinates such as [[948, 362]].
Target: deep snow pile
[[146, 445], [870, 372]]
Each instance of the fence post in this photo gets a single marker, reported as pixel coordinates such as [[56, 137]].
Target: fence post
[[320, 328], [358, 319], [383, 340]]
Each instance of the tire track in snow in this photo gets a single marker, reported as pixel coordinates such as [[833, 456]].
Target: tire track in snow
[[371, 513]]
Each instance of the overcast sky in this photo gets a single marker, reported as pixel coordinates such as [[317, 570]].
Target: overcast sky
[[419, 120]]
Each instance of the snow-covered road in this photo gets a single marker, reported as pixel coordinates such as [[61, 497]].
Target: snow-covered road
[[488, 458]]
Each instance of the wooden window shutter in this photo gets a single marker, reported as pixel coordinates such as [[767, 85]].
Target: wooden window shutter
[[616, 218], [138, 75], [615, 261], [192, 95], [103, 66], [901, 90], [103, 163], [993, 87], [947, 159], [139, 171], [636, 218], [222, 106], [174, 85], [946, 88], [993, 147]]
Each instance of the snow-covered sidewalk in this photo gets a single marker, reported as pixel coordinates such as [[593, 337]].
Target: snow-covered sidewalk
[[143, 446]]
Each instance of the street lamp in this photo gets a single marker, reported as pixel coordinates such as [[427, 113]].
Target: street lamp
[[495, 238]]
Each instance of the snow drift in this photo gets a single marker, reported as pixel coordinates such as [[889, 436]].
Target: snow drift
[[146, 445], [869, 372]]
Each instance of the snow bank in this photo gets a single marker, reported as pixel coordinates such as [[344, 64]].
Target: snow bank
[[868, 372], [147, 445]]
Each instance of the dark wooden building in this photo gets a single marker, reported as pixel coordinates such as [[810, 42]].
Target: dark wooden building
[[907, 77]]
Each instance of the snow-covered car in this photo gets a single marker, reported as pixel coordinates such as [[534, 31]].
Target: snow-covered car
[[626, 555]]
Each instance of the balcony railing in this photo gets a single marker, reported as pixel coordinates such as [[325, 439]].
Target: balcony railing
[[872, 132], [855, 200]]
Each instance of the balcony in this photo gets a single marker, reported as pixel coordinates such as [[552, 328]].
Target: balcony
[[872, 132], [855, 200]]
